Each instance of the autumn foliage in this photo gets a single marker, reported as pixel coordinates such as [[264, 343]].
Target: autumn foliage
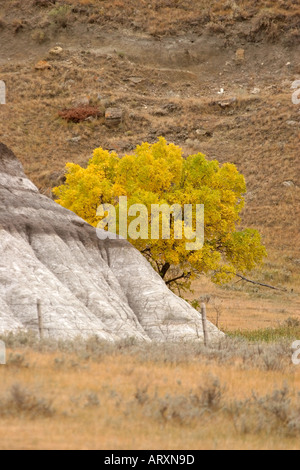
[[159, 174]]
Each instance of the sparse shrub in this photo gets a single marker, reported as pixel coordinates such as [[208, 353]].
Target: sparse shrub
[[94, 18], [21, 401], [216, 28], [92, 400], [141, 395], [278, 412], [292, 38], [276, 406], [180, 408], [39, 36], [266, 25], [81, 113], [18, 25], [17, 361], [59, 362], [210, 395], [20, 339], [240, 349], [61, 15], [292, 322], [272, 361]]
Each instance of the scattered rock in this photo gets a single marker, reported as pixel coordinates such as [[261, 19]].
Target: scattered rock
[[192, 143], [172, 107], [135, 80], [85, 101], [292, 123], [160, 112], [203, 132], [240, 55], [43, 65], [255, 91], [295, 85], [226, 103], [288, 184], [69, 83], [56, 50], [200, 131], [113, 117], [75, 140], [250, 196]]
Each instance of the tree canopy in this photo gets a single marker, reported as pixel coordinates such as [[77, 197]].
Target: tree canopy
[[159, 174]]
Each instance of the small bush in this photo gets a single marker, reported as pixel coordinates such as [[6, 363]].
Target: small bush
[[210, 395], [17, 361], [81, 113], [292, 322], [216, 28], [92, 400], [61, 15], [278, 412], [18, 25], [180, 408], [39, 36], [141, 395], [22, 401], [20, 339]]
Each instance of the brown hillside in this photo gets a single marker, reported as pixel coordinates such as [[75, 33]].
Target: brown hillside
[[164, 63]]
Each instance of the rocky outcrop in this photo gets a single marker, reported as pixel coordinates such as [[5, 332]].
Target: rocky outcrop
[[86, 286]]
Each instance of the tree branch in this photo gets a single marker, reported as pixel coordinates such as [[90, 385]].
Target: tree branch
[[183, 276], [243, 278]]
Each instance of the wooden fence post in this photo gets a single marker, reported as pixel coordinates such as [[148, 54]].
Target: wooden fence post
[[40, 319], [204, 323]]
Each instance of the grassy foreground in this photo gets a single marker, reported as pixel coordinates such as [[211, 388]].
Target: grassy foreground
[[92, 395]]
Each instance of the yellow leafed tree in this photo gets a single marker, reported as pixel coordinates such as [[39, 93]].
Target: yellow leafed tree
[[159, 174]]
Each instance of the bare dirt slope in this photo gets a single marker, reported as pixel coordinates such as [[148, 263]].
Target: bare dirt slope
[[165, 64]]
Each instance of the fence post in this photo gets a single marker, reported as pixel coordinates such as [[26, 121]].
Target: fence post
[[2, 92], [40, 319], [204, 323], [2, 353]]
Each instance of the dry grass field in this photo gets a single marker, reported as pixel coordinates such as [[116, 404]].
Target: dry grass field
[[235, 395]]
